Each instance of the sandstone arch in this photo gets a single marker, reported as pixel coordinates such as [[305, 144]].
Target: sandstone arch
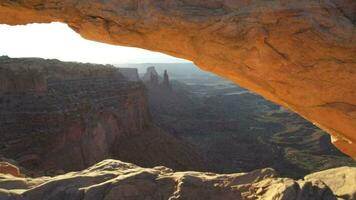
[[298, 53]]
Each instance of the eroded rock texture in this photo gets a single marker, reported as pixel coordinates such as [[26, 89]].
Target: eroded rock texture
[[7, 168], [84, 114], [342, 181], [298, 53], [112, 179]]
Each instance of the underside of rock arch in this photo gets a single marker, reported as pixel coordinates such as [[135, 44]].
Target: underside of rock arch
[[298, 53]]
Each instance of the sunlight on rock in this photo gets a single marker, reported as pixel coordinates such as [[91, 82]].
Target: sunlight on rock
[[77, 108]]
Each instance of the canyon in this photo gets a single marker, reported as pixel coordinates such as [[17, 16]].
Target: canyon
[[299, 54], [61, 121], [57, 117], [235, 130]]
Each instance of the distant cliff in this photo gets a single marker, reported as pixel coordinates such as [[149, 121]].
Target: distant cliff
[[130, 74], [57, 117]]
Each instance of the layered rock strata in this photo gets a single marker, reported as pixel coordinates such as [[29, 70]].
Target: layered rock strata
[[112, 179], [87, 113], [300, 54]]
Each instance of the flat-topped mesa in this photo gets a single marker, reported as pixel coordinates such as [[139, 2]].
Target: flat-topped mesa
[[20, 80], [56, 70], [75, 122], [130, 74], [30, 81], [297, 53], [88, 113], [31, 75]]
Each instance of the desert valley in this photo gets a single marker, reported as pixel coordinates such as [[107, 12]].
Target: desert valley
[[58, 117], [178, 100]]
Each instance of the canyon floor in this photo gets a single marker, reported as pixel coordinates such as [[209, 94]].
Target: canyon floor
[[190, 135], [235, 130]]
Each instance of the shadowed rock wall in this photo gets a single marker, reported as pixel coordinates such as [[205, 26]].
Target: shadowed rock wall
[[86, 114]]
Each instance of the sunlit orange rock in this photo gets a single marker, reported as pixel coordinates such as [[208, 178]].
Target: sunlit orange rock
[[113, 179], [7, 168], [298, 53]]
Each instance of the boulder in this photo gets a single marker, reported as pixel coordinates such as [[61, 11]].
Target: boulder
[[7, 168], [341, 180]]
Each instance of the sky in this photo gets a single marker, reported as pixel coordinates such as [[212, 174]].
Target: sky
[[57, 40]]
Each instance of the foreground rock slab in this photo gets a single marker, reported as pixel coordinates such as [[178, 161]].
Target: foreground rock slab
[[342, 181], [113, 179], [298, 53], [8, 168]]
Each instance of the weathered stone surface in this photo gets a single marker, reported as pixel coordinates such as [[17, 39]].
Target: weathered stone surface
[[235, 130], [151, 75], [29, 81], [75, 122], [7, 168], [88, 113], [298, 53], [112, 179], [342, 181], [130, 73]]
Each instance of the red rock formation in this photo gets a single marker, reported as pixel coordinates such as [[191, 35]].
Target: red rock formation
[[7, 168], [27, 80], [112, 180], [130, 73], [88, 113], [298, 53], [166, 84]]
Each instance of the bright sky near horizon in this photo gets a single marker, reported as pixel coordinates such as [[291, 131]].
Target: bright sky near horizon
[[57, 40]]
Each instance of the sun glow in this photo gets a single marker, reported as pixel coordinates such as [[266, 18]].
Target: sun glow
[[57, 40]]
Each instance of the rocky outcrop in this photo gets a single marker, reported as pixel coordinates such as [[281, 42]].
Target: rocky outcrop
[[130, 74], [166, 83], [300, 54], [7, 168], [151, 75], [342, 181], [153, 81], [112, 179], [88, 113], [12, 82], [75, 122], [237, 131]]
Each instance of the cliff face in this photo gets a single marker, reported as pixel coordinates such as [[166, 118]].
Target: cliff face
[[112, 179], [30, 81], [300, 54], [236, 131], [130, 73], [85, 115], [74, 122]]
